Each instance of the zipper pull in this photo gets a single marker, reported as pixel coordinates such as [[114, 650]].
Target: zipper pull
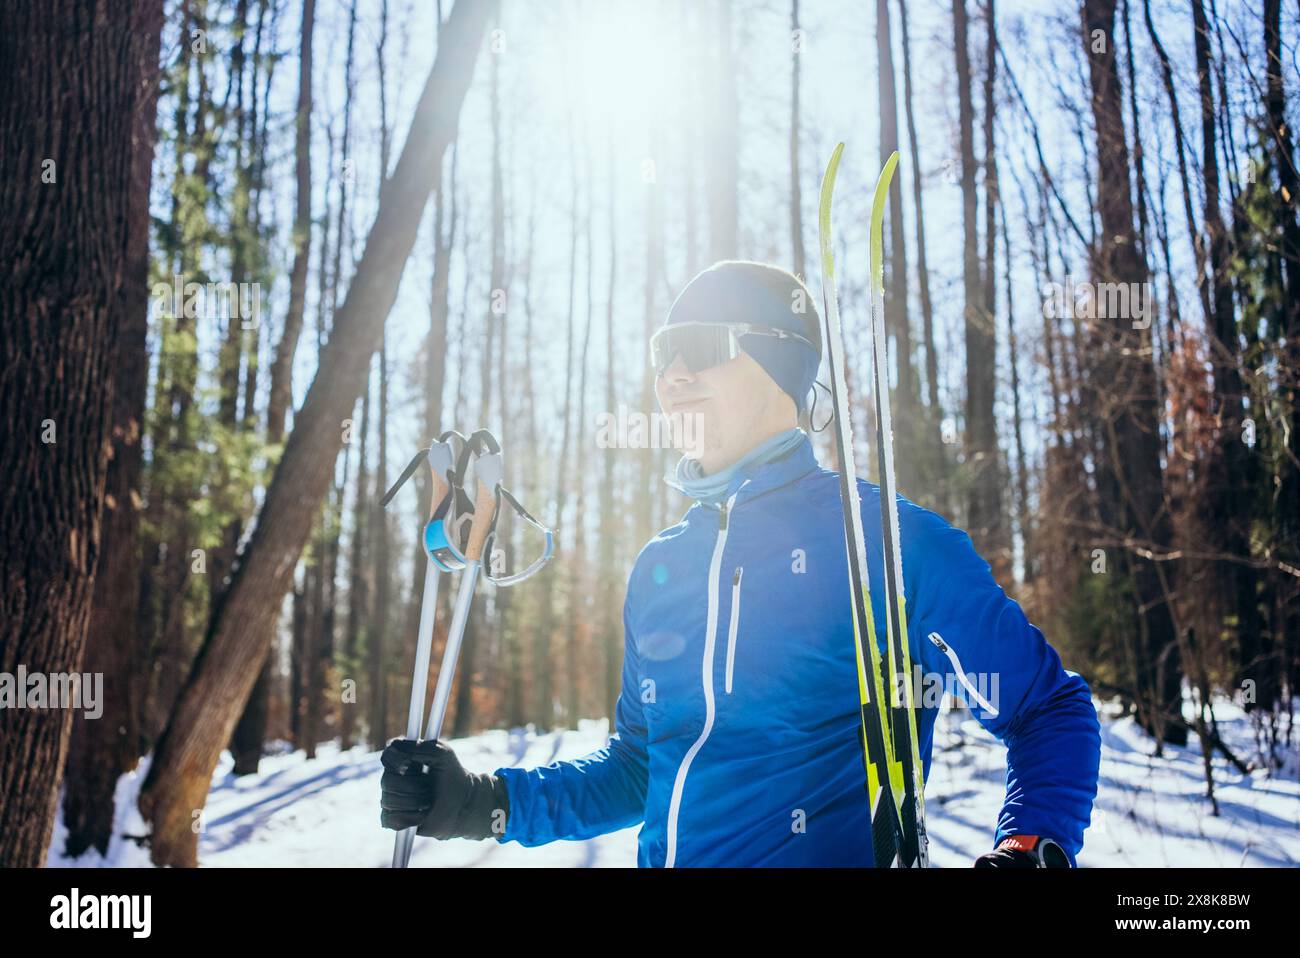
[[722, 516]]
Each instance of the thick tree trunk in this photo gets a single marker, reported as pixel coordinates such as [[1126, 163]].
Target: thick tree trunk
[[68, 129], [102, 750], [240, 631]]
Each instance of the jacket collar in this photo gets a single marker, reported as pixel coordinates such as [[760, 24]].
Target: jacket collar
[[774, 474]]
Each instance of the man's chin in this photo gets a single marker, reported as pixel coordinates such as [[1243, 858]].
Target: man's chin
[[698, 446], [688, 431]]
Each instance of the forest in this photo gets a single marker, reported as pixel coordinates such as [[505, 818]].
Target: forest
[[258, 254]]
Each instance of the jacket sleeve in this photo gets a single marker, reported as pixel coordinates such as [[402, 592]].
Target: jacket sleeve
[[585, 797], [1043, 713]]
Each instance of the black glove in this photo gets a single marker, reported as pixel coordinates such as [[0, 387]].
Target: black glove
[[424, 785], [1025, 851]]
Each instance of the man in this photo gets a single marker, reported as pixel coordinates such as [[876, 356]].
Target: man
[[738, 726]]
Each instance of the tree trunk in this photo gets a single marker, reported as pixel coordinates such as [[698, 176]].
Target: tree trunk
[[358, 586], [796, 193], [377, 636], [227, 494], [477, 629], [612, 527], [1122, 370], [1230, 474], [984, 499], [282, 367], [896, 311], [1022, 468], [937, 473], [543, 662], [991, 478], [1285, 199], [68, 132], [722, 160], [102, 750], [579, 613], [167, 568], [250, 733]]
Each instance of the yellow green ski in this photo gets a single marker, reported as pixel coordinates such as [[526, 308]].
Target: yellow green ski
[[891, 756]]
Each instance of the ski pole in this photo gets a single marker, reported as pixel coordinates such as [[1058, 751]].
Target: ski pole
[[487, 477], [440, 457]]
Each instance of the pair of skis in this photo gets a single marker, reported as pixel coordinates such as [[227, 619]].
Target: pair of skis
[[889, 740]]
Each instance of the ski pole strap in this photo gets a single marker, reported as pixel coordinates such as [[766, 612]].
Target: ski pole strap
[[535, 566], [407, 473], [481, 442]]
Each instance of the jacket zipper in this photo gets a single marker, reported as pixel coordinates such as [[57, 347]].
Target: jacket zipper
[[735, 622], [706, 675], [949, 651]]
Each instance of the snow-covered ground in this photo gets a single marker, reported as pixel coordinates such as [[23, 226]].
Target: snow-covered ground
[[1149, 811]]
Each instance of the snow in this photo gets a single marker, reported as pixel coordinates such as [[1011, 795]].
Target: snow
[[1150, 811]]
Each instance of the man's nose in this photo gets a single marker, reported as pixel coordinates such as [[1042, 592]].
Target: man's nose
[[677, 371]]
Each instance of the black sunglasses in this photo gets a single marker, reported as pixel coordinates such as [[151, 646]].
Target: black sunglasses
[[703, 345]]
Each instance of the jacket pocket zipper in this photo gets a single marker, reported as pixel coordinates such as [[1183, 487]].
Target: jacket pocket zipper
[[937, 640], [734, 625]]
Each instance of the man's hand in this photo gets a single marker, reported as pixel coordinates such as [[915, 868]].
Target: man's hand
[[1025, 851], [425, 786]]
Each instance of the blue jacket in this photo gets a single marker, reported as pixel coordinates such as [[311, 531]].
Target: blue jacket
[[738, 726]]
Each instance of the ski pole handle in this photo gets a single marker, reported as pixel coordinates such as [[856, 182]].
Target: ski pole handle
[[438, 485], [487, 477], [478, 531]]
